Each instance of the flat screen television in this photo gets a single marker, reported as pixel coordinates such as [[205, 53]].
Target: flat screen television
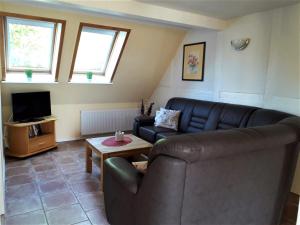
[[31, 105]]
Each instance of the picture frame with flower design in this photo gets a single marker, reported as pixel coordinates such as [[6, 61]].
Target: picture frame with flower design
[[193, 61]]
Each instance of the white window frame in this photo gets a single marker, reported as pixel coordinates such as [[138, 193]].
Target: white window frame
[[114, 57], [13, 75]]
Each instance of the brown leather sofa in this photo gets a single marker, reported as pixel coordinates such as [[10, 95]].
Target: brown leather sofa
[[200, 116], [234, 176]]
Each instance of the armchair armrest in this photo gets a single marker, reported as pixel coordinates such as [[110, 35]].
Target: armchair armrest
[[123, 173]]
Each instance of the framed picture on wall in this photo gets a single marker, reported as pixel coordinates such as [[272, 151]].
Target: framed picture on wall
[[193, 61]]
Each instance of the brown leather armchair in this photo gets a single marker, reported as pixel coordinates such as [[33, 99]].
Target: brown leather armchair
[[238, 176]]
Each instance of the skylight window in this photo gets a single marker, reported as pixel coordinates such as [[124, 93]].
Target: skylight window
[[30, 44], [94, 50], [97, 53]]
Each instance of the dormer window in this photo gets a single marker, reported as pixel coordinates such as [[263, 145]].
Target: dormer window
[[30, 44]]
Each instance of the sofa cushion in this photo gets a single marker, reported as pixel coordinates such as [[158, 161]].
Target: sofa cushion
[[166, 134], [148, 133], [167, 118], [234, 116], [263, 117], [185, 106]]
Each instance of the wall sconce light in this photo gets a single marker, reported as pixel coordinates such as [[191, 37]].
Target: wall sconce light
[[240, 44]]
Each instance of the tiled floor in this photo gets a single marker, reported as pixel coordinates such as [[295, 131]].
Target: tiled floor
[[53, 188]]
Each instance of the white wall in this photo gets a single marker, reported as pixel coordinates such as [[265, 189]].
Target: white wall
[[283, 78], [68, 116], [241, 75], [266, 74], [172, 85]]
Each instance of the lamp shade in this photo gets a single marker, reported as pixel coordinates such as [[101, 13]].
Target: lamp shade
[[240, 44]]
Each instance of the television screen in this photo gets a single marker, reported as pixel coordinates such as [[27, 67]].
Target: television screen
[[32, 105]]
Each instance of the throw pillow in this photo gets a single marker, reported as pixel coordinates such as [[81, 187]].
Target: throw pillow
[[167, 118], [141, 166]]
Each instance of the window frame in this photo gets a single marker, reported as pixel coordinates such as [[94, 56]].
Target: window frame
[[9, 70], [103, 27], [110, 51], [4, 47]]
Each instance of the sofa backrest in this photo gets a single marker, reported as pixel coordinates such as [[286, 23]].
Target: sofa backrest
[[237, 176], [197, 115], [234, 116], [204, 116], [261, 117]]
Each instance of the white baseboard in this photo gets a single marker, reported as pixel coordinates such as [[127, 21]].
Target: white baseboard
[[68, 139], [88, 136]]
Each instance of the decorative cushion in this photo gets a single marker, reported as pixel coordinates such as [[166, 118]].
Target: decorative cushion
[[141, 166], [167, 118]]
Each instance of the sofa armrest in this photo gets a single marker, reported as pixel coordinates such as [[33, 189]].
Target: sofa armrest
[[145, 120], [142, 121], [123, 173]]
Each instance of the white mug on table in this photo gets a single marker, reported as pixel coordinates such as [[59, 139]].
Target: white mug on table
[[119, 135]]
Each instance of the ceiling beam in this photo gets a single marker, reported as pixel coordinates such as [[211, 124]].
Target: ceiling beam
[[139, 10]]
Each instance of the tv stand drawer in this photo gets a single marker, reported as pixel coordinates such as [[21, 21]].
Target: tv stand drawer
[[41, 142]]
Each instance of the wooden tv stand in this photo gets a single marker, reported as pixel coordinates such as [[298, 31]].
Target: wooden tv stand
[[21, 145]]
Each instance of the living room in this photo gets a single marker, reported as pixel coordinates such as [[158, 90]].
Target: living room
[[247, 54]]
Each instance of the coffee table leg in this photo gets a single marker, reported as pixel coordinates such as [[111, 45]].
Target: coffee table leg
[[103, 157], [88, 159]]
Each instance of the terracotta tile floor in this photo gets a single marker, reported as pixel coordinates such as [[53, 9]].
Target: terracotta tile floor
[[53, 188]]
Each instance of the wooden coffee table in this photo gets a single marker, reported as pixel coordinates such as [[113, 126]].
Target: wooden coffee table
[[102, 152]]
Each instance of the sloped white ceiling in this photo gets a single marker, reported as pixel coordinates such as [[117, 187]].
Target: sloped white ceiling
[[222, 9], [130, 9]]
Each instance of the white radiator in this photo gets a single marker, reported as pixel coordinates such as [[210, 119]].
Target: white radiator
[[105, 121]]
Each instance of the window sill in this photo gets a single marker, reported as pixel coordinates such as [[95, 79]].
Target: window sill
[[81, 79], [29, 82], [88, 82], [36, 78]]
